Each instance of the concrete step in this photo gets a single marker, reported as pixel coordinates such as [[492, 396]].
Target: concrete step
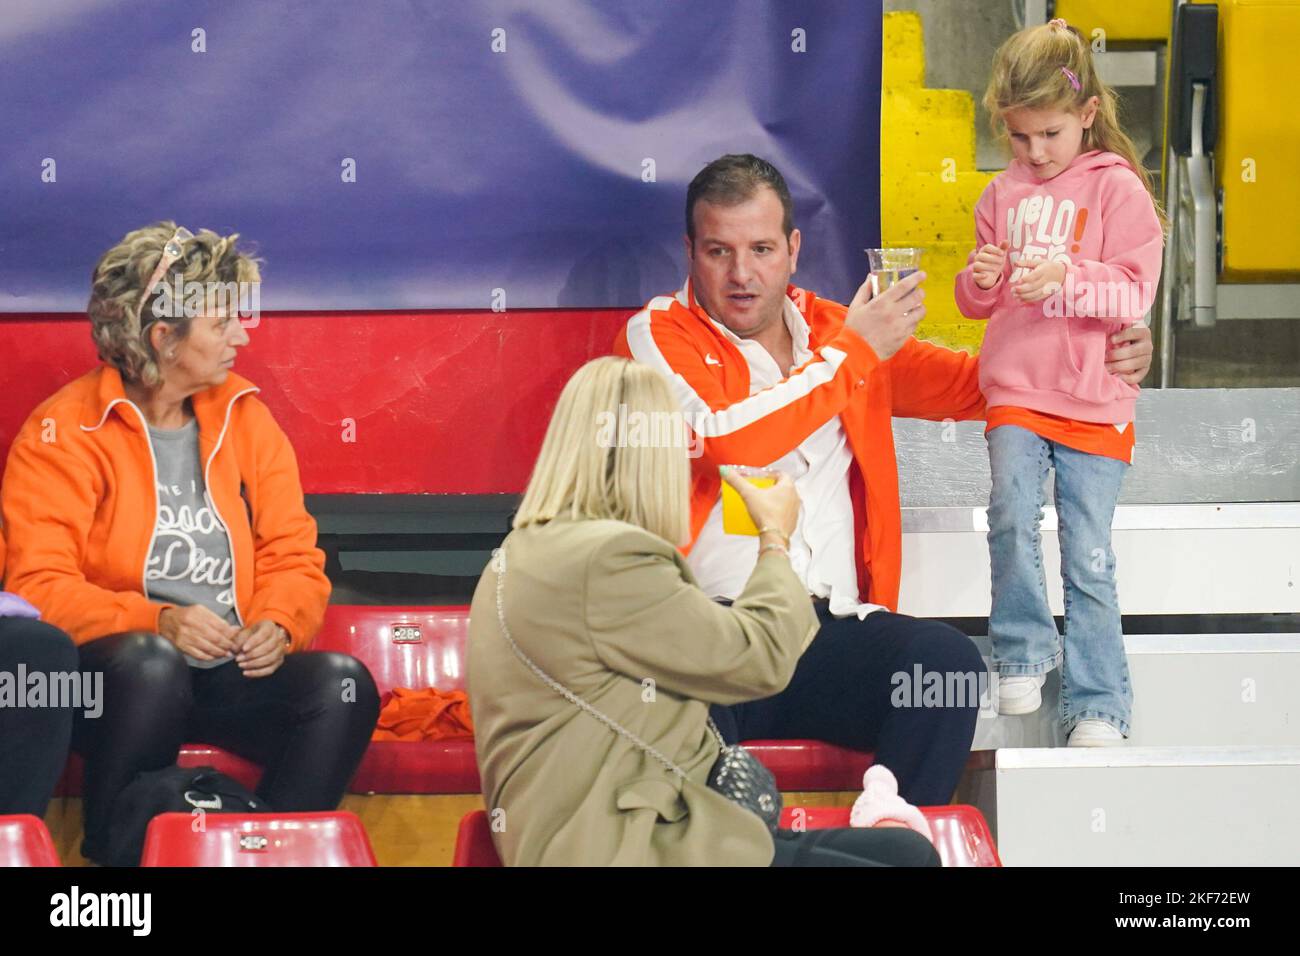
[[952, 333], [929, 184], [930, 207], [921, 128], [1118, 19], [1138, 806], [1214, 453], [941, 262], [1221, 690], [904, 50], [1189, 690], [943, 323], [1230, 558]]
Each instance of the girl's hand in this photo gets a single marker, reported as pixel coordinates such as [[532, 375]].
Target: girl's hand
[[989, 264], [1044, 278], [197, 632]]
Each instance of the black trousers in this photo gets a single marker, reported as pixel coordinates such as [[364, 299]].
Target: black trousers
[[33, 740], [886, 846], [308, 724], [848, 690]]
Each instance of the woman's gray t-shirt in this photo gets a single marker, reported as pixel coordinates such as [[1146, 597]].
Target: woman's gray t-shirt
[[190, 562]]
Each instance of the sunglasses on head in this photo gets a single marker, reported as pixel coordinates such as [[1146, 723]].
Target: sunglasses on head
[[173, 249]]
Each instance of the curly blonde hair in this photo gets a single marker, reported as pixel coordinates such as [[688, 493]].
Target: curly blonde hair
[[120, 321]]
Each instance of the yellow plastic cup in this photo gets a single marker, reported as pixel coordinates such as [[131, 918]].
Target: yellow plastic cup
[[735, 516]]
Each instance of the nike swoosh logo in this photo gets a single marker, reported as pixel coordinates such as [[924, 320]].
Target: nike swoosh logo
[[710, 360]]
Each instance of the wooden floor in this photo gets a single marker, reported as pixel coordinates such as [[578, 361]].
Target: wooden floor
[[405, 830]]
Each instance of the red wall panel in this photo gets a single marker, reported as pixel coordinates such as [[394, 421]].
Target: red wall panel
[[443, 402]]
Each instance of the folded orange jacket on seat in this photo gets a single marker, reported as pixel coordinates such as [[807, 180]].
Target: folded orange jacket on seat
[[427, 714]]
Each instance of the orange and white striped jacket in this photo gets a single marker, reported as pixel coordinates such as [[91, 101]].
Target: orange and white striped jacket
[[845, 377]]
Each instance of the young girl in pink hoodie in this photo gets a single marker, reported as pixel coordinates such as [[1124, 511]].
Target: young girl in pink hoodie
[[1069, 243]]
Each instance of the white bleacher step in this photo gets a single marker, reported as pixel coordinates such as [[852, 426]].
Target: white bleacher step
[[1221, 690], [1170, 559], [1188, 690], [1138, 806]]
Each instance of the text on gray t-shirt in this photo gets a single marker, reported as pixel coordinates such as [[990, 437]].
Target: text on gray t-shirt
[[190, 562]]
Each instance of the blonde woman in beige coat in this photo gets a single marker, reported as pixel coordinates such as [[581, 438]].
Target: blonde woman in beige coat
[[595, 593]]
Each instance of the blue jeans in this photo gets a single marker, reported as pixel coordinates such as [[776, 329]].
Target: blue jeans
[[1094, 668]]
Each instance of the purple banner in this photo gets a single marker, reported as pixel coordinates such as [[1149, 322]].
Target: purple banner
[[413, 154]]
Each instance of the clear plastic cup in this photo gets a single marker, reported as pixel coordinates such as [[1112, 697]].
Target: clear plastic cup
[[891, 265], [735, 516]]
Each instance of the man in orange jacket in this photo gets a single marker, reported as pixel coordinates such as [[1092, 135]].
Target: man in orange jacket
[[772, 375]]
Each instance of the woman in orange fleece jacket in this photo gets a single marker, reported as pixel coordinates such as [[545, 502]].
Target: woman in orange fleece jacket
[[152, 509]]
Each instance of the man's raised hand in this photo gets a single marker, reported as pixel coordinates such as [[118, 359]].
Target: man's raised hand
[[888, 320]]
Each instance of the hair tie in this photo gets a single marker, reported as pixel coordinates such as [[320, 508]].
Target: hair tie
[[1059, 23], [1074, 80]]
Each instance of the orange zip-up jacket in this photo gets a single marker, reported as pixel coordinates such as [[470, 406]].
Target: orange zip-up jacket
[[845, 377], [79, 500]]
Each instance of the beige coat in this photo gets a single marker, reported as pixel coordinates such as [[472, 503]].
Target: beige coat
[[612, 612]]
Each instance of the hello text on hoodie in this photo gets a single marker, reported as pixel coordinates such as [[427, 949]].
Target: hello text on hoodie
[[1098, 219]]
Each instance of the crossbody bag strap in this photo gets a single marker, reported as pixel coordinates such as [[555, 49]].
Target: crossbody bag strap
[[499, 565]]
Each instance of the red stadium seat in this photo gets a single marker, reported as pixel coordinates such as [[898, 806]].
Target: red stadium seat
[[474, 842], [811, 764], [960, 834], [402, 647], [264, 839], [425, 647], [190, 755], [407, 647], [24, 841], [232, 765]]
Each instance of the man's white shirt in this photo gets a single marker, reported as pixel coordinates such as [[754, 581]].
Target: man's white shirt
[[822, 548]]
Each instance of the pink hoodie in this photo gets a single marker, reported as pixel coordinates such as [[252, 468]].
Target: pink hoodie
[[1049, 356]]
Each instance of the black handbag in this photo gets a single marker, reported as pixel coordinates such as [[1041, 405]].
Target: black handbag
[[736, 773], [170, 790], [740, 776]]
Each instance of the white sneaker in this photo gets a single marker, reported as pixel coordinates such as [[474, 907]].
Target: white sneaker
[[1021, 694], [1095, 733]]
